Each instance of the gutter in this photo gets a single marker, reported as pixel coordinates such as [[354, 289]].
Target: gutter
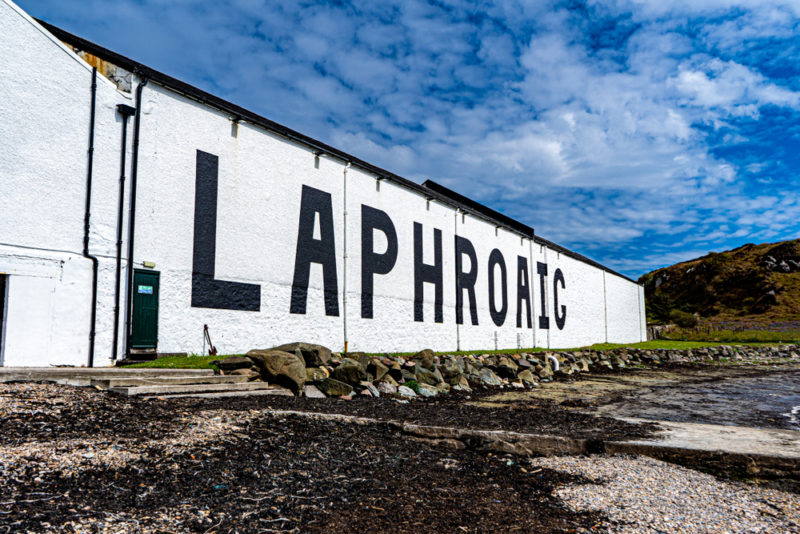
[[87, 219], [132, 216], [125, 111]]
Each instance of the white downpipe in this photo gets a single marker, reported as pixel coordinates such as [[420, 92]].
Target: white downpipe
[[554, 360], [344, 258]]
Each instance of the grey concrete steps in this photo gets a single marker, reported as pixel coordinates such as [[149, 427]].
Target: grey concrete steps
[[190, 389], [107, 383], [83, 376]]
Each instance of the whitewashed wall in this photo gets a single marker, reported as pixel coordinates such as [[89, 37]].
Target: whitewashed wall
[[44, 121], [44, 132]]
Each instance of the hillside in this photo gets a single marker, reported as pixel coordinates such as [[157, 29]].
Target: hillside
[[752, 284]]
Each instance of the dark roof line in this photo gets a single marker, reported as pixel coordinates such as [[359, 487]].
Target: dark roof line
[[429, 190], [508, 221]]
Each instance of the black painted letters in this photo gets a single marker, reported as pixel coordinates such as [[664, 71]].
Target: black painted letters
[[523, 291], [207, 291], [466, 280], [498, 316], [561, 318], [372, 263], [428, 273], [315, 204], [544, 321]]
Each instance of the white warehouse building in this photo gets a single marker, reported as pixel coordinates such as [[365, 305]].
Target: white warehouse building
[[136, 209]]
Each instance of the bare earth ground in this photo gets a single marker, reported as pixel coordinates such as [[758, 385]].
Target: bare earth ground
[[78, 460]]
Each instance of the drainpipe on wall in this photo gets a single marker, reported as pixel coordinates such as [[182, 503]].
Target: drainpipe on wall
[[344, 260], [87, 219], [132, 216], [124, 111]]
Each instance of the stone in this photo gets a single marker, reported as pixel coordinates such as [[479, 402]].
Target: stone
[[545, 372], [233, 363], [313, 355], [426, 390], [486, 377], [463, 385], [425, 357], [368, 386], [523, 363], [406, 376], [251, 374], [377, 369], [387, 389], [283, 368], [350, 372], [360, 357], [312, 392], [405, 391], [389, 380], [451, 371], [426, 376], [527, 378], [506, 368], [334, 388], [316, 374]]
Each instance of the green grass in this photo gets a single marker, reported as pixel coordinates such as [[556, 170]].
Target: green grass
[[735, 336], [204, 362], [181, 362]]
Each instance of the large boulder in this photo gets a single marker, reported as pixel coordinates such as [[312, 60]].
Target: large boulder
[[283, 368], [313, 355], [425, 358], [233, 363], [425, 376], [350, 372], [334, 388], [486, 377], [377, 369]]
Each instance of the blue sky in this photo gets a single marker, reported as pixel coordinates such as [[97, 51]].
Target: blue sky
[[637, 133]]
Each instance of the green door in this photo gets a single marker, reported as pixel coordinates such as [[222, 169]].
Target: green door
[[144, 328]]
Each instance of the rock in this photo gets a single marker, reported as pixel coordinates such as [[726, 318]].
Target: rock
[[463, 385], [369, 387], [312, 392], [334, 388], [396, 372], [313, 355], [360, 357], [506, 368], [523, 363], [233, 363], [427, 391], [316, 374], [527, 377], [425, 357], [387, 389], [283, 368], [486, 377], [545, 372], [406, 376], [251, 374], [350, 372], [377, 369], [451, 371], [425, 376], [389, 380], [406, 391]]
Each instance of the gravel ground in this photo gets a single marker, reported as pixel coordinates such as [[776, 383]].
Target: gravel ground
[[77, 460], [646, 495]]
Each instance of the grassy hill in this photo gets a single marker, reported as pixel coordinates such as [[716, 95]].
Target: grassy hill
[[753, 285]]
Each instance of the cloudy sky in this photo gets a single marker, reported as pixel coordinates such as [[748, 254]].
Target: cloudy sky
[[640, 133]]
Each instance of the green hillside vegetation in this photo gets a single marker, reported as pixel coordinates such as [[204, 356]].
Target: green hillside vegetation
[[750, 286]]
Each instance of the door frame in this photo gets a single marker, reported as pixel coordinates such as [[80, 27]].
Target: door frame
[[157, 274]]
